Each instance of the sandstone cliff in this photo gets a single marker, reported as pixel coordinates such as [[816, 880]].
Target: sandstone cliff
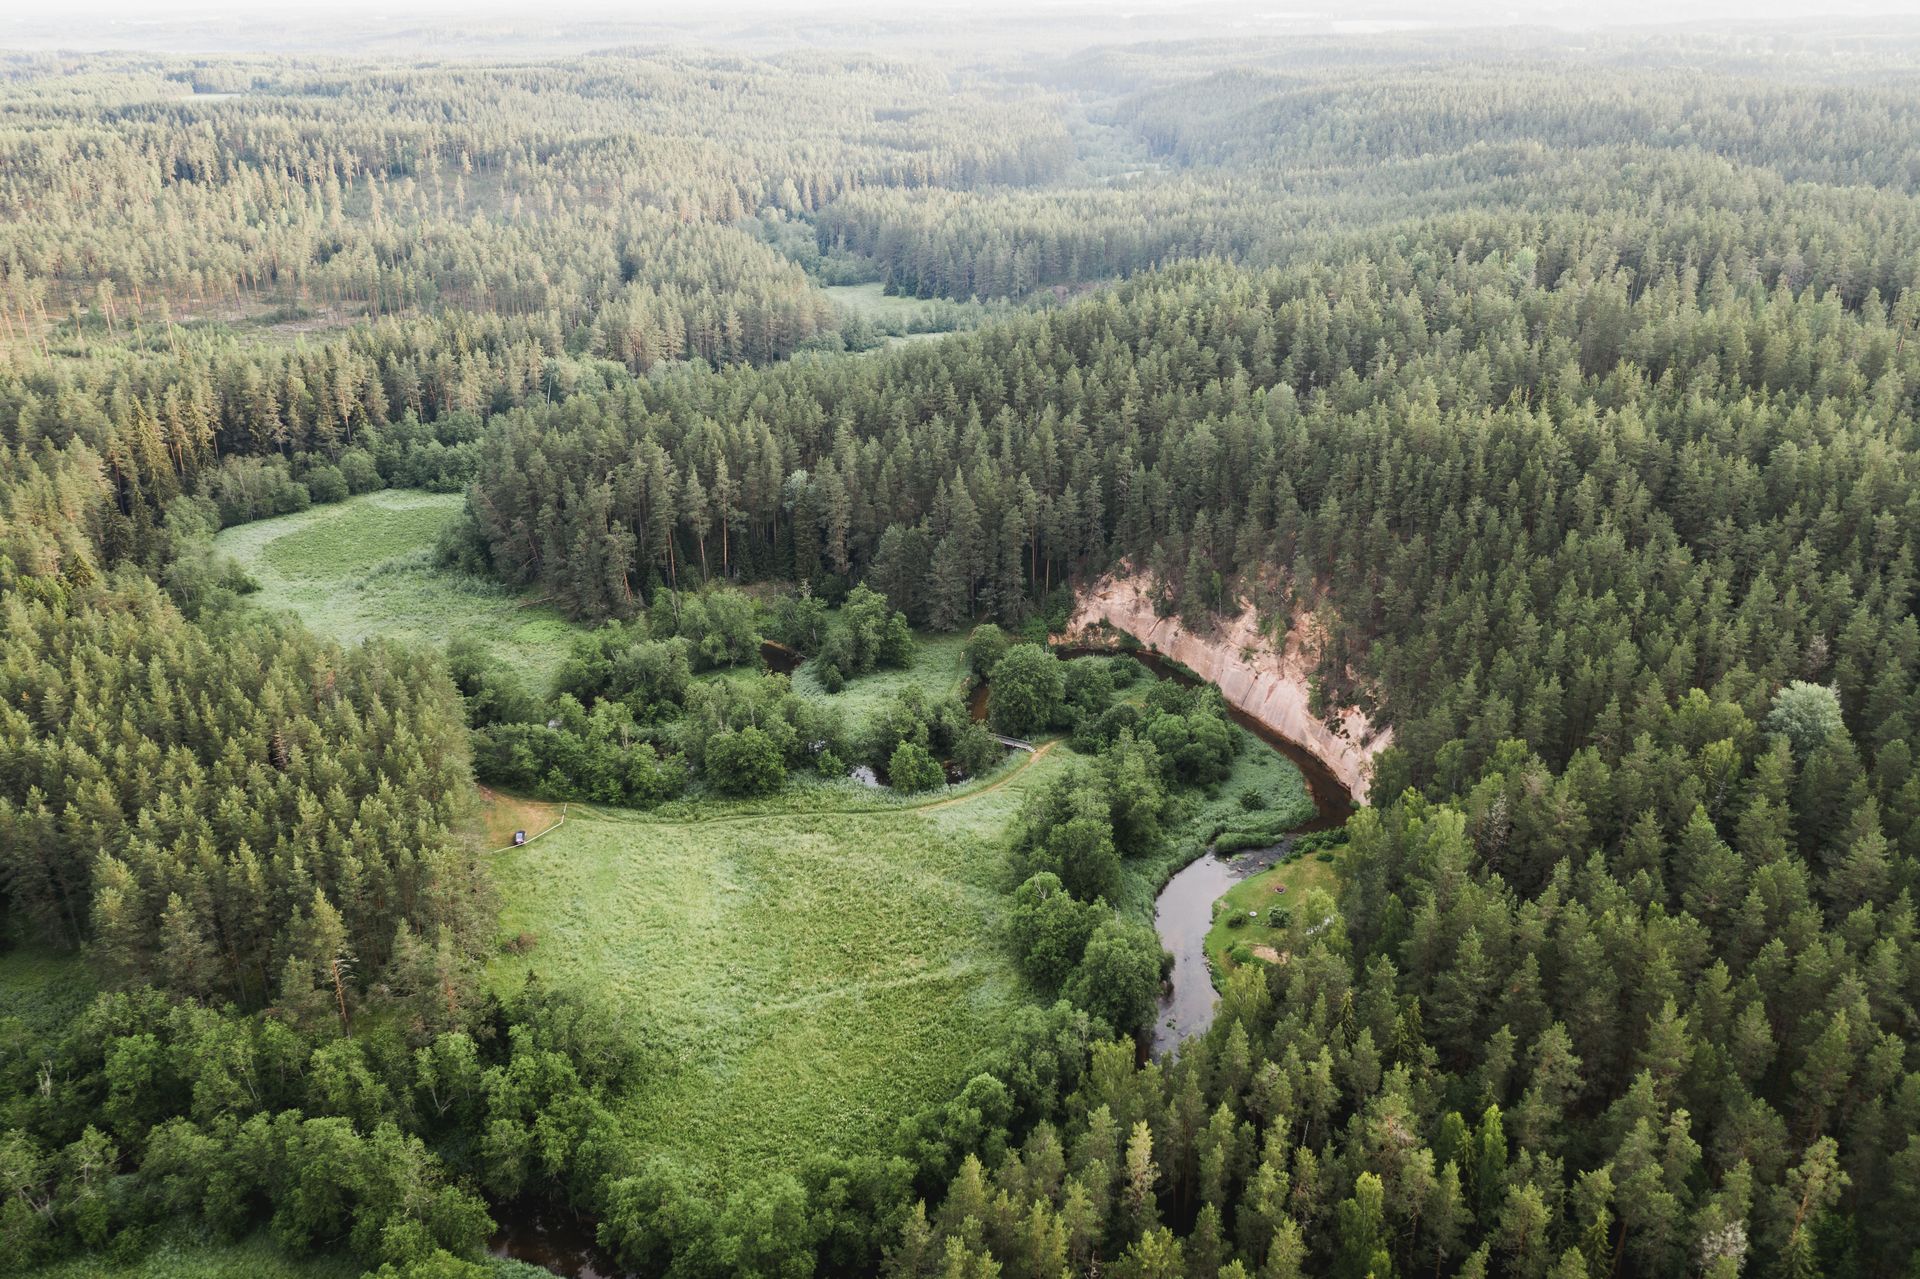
[[1267, 683]]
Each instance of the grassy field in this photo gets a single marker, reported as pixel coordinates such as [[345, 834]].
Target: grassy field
[[873, 302], [1262, 893], [364, 567], [939, 668], [796, 979], [43, 988]]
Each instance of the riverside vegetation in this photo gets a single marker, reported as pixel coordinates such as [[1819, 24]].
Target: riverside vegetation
[[1565, 391]]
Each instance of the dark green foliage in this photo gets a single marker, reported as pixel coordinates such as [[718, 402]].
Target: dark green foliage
[[224, 811], [986, 645], [1118, 977], [620, 663], [1026, 691], [492, 695], [229, 1123], [1050, 928], [866, 635], [910, 769], [1561, 395], [744, 761], [720, 627], [942, 729]]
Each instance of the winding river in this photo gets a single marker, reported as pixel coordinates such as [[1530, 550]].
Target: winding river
[[565, 1245], [1183, 912]]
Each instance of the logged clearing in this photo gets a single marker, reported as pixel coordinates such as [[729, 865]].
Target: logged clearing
[[796, 981], [364, 567]]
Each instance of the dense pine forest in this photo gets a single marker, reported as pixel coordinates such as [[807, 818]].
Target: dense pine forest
[[1563, 391]]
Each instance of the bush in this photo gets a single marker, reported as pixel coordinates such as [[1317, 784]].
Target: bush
[[358, 468], [1119, 975], [744, 761], [1252, 800], [913, 769], [985, 647], [327, 484], [1029, 685], [1050, 929]]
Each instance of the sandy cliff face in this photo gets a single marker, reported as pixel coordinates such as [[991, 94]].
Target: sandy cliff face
[[1267, 683]]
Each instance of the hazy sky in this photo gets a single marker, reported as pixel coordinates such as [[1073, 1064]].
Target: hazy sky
[[1448, 12], [181, 25]]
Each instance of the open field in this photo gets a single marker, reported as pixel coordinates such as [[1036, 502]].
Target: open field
[[364, 567], [939, 668], [873, 302], [1262, 893], [796, 980]]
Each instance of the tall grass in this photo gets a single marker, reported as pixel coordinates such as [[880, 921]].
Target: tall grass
[[365, 567], [795, 980]]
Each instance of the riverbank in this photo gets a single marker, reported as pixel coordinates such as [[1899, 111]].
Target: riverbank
[[1267, 682]]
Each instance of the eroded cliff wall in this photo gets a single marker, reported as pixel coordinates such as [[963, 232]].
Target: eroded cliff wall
[[1267, 682]]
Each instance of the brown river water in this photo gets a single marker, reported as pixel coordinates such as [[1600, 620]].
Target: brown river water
[[564, 1244]]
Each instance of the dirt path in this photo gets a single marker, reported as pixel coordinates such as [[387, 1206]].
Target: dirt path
[[1025, 764]]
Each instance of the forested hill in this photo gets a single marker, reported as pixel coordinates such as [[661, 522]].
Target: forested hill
[[1569, 394], [1620, 518]]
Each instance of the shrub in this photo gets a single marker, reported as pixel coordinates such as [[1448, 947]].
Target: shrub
[[1119, 975], [985, 647], [1028, 687], [358, 468], [913, 769], [327, 484], [744, 761]]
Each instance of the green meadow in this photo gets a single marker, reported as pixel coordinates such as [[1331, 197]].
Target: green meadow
[[799, 975], [938, 669], [365, 567], [796, 972], [1240, 932]]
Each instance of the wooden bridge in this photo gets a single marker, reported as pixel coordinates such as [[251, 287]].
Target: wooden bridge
[[1014, 742]]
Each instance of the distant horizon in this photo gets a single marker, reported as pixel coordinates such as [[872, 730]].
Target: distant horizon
[[428, 27]]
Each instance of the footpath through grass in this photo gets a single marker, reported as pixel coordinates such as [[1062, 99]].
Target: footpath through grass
[[364, 567], [795, 980]]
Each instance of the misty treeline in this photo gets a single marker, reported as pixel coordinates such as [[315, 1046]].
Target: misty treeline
[[1575, 404]]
